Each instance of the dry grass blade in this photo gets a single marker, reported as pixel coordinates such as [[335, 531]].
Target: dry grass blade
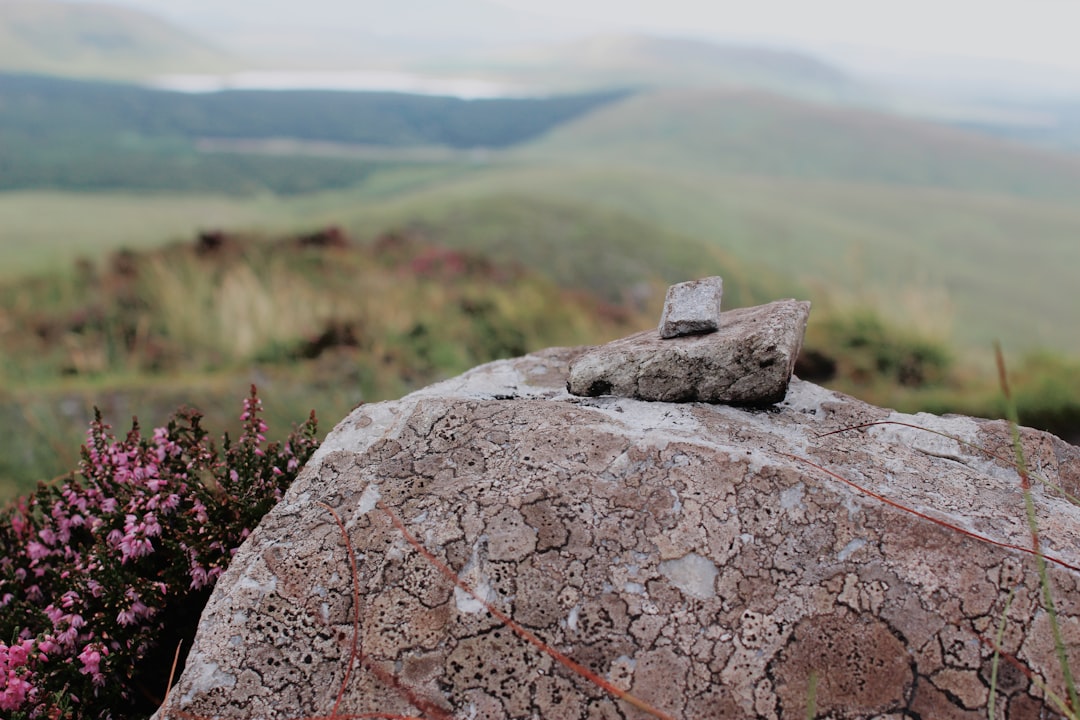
[[997, 655], [975, 446], [172, 674], [811, 696], [1040, 558], [929, 518], [1056, 699], [354, 646]]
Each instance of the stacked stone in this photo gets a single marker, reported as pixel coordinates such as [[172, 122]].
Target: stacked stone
[[741, 357], [692, 308]]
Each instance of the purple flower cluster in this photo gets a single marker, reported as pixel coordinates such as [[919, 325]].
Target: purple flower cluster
[[98, 573]]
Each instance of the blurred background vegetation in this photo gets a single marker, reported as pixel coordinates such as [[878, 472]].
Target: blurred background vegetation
[[160, 248]]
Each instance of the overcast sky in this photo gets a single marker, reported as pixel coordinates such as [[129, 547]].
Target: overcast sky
[[1034, 31], [1039, 32]]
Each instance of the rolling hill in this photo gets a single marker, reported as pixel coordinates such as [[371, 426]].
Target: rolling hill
[[98, 40], [971, 236], [746, 132]]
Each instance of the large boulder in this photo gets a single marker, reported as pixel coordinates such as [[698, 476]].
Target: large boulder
[[709, 559]]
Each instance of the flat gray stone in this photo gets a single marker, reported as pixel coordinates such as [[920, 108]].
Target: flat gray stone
[[691, 308], [747, 361]]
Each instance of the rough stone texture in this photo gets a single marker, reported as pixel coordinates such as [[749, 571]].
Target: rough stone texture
[[682, 551], [692, 307], [748, 361]]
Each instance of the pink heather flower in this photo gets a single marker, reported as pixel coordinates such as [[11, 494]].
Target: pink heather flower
[[137, 611], [68, 637], [18, 520], [36, 551], [91, 659], [15, 692], [134, 547], [150, 525], [137, 605], [17, 654], [200, 511], [198, 577], [54, 614]]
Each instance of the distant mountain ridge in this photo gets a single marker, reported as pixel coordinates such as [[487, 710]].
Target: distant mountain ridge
[[79, 135], [99, 40], [648, 61]]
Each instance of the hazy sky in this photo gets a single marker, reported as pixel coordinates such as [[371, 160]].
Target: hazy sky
[[1036, 31], [1040, 32]]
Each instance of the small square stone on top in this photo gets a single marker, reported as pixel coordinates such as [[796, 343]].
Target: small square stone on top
[[692, 308]]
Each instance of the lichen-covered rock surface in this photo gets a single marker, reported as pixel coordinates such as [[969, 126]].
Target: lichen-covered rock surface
[[689, 553]]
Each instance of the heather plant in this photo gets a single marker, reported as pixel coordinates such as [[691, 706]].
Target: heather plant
[[102, 575]]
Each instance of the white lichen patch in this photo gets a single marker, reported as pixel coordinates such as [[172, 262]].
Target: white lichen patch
[[792, 498], [368, 500], [204, 676], [258, 581], [693, 574], [808, 398], [851, 547], [472, 603], [572, 618]]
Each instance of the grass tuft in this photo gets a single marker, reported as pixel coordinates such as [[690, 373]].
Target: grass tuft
[[1040, 559]]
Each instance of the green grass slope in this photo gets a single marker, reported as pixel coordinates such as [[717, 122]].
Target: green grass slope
[[604, 251], [853, 202], [753, 133], [968, 267], [98, 40]]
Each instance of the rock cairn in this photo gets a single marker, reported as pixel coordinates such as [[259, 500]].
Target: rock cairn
[[740, 357]]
